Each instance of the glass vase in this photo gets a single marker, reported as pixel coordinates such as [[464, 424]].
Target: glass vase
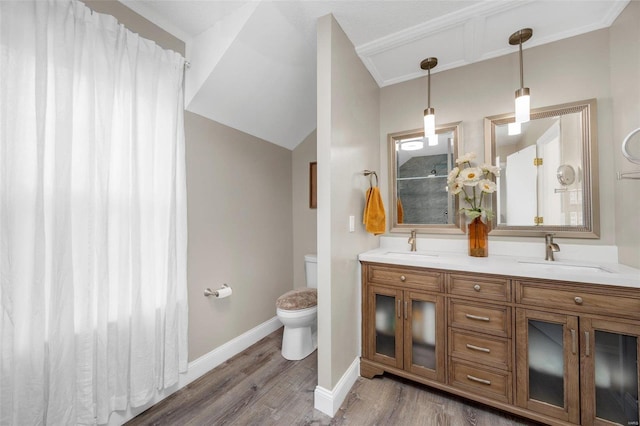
[[478, 232]]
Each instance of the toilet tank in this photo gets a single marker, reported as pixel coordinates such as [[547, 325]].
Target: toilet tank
[[311, 270]]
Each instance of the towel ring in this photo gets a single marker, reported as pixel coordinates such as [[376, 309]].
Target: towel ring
[[624, 147], [369, 173]]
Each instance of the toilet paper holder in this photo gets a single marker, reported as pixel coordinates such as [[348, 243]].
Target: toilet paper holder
[[208, 292]]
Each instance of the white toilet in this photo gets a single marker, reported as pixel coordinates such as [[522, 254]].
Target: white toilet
[[297, 310]]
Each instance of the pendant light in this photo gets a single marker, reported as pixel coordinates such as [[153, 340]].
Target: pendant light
[[429, 113], [522, 94]]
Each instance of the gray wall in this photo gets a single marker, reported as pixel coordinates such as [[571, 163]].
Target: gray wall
[[625, 91], [304, 217], [348, 129], [240, 214], [556, 73]]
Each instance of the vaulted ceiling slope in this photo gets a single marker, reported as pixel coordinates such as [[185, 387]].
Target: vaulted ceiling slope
[[253, 63]]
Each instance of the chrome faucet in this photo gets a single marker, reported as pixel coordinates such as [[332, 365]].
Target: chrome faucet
[[550, 247], [412, 240]]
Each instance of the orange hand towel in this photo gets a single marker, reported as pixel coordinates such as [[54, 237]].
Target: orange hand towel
[[400, 211], [374, 218]]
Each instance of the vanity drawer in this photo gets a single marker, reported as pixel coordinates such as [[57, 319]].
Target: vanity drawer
[[579, 298], [480, 348], [479, 286], [479, 317], [406, 277], [487, 382]]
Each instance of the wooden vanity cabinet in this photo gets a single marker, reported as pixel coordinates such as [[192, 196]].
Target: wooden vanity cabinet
[[609, 371], [574, 363], [404, 321], [479, 335], [548, 364], [557, 352]]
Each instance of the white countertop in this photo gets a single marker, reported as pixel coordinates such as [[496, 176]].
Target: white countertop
[[528, 267]]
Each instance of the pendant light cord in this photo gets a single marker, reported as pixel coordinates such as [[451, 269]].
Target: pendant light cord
[[429, 88], [521, 66]]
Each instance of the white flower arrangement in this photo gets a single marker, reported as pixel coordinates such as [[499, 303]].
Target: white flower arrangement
[[471, 183]]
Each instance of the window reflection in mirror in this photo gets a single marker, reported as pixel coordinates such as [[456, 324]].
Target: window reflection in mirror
[[547, 171], [418, 169]]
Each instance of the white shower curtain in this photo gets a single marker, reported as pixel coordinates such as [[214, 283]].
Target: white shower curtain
[[93, 303]]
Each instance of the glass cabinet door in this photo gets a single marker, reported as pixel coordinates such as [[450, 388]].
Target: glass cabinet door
[[548, 364], [385, 339], [610, 372], [424, 334]]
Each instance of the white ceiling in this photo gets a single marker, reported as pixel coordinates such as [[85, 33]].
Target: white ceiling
[[253, 63]]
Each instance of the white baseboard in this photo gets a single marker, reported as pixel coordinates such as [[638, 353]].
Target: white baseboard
[[329, 401], [208, 362], [203, 365]]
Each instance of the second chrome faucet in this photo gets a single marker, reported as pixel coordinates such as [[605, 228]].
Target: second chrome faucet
[[412, 240], [550, 247]]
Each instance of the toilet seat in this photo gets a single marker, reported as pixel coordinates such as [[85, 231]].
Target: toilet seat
[[298, 299]]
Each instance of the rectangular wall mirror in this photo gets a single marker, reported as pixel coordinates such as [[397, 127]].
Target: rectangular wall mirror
[[418, 170], [549, 174]]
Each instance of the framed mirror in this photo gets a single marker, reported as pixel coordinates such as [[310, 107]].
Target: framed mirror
[[418, 169], [549, 175]]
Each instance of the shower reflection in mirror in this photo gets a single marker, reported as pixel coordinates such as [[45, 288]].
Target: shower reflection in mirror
[[418, 168]]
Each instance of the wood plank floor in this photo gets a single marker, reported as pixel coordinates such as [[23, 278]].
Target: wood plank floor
[[259, 387]]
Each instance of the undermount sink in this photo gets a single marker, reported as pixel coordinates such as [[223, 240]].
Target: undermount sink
[[564, 267], [401, 254]]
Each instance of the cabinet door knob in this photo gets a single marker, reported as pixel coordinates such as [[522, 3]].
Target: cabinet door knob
[[403, 278], [476, 287], [578, 300]]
